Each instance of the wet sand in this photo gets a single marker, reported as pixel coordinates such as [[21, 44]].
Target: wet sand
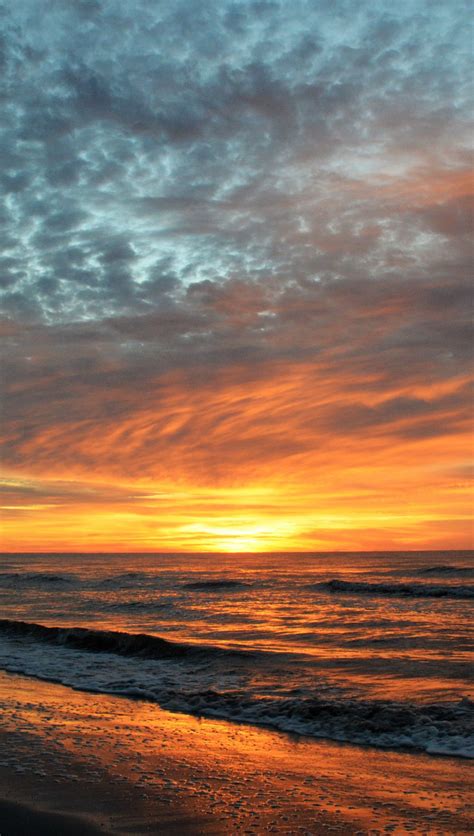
[[20, 820], [82, 764]]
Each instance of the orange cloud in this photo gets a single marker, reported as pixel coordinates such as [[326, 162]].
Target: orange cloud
[[241, 460]]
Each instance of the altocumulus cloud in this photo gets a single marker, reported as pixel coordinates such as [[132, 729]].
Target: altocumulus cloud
[[208, 197]]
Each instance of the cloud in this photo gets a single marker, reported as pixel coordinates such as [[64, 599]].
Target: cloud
[[270, 157], [233, 380], [235, 239]]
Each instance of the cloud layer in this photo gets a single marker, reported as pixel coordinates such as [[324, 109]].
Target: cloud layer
[[236, 251]]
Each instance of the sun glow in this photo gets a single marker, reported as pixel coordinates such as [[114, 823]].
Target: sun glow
[[238, 544], [248, 537], [265, 476], [361, 509]]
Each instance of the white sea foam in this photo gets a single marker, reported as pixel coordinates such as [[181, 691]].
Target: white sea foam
[[216, 683], [370, 649]]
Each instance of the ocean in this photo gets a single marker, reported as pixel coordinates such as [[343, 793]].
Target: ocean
[[364, 648]]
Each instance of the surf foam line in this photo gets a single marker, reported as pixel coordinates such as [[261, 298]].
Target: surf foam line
[[445, 729], [140, 645], [400, 590], [191, 680]]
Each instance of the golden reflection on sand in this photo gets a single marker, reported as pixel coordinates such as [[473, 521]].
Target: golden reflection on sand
[[131, 765]]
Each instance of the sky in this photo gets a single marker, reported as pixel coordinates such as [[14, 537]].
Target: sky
[[236, 264]]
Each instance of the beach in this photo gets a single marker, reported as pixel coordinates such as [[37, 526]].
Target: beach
[[76, 763], [237, 564]]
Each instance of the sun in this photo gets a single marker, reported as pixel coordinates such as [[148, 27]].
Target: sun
[[238, 543], [240, 536]]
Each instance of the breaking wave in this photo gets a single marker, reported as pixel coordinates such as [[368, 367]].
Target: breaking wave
[[210, 682], [436, 728], [141, 645]]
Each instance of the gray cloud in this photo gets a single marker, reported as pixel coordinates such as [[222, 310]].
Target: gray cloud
[[200, 187], [70, 383], [230, 138]]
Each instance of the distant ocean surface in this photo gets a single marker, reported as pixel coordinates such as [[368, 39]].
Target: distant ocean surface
[[372, 649]]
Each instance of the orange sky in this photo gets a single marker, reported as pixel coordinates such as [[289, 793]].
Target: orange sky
[[244, 461]]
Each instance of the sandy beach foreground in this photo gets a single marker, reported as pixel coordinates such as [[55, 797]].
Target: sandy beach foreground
[[79, 764]]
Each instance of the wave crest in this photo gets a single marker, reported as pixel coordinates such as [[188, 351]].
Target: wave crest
[[214, 584], [443, 569], [141, 645], [401, 590]]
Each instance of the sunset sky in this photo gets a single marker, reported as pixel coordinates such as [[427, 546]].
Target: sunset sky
[[236, 263]]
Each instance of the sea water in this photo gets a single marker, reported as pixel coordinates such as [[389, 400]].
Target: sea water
[[368, 648]]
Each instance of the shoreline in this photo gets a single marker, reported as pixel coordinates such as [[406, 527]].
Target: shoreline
[[109, 765]]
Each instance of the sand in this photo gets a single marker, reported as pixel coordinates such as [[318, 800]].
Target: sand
[[81, 764], [20, 820]]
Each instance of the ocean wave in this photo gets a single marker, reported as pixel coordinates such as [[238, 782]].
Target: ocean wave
[[442, 569], [401, 590], [437, 728], [214, 584], [127, 579], [135, 606], [211, 690], [15, 579], [140, 645]]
